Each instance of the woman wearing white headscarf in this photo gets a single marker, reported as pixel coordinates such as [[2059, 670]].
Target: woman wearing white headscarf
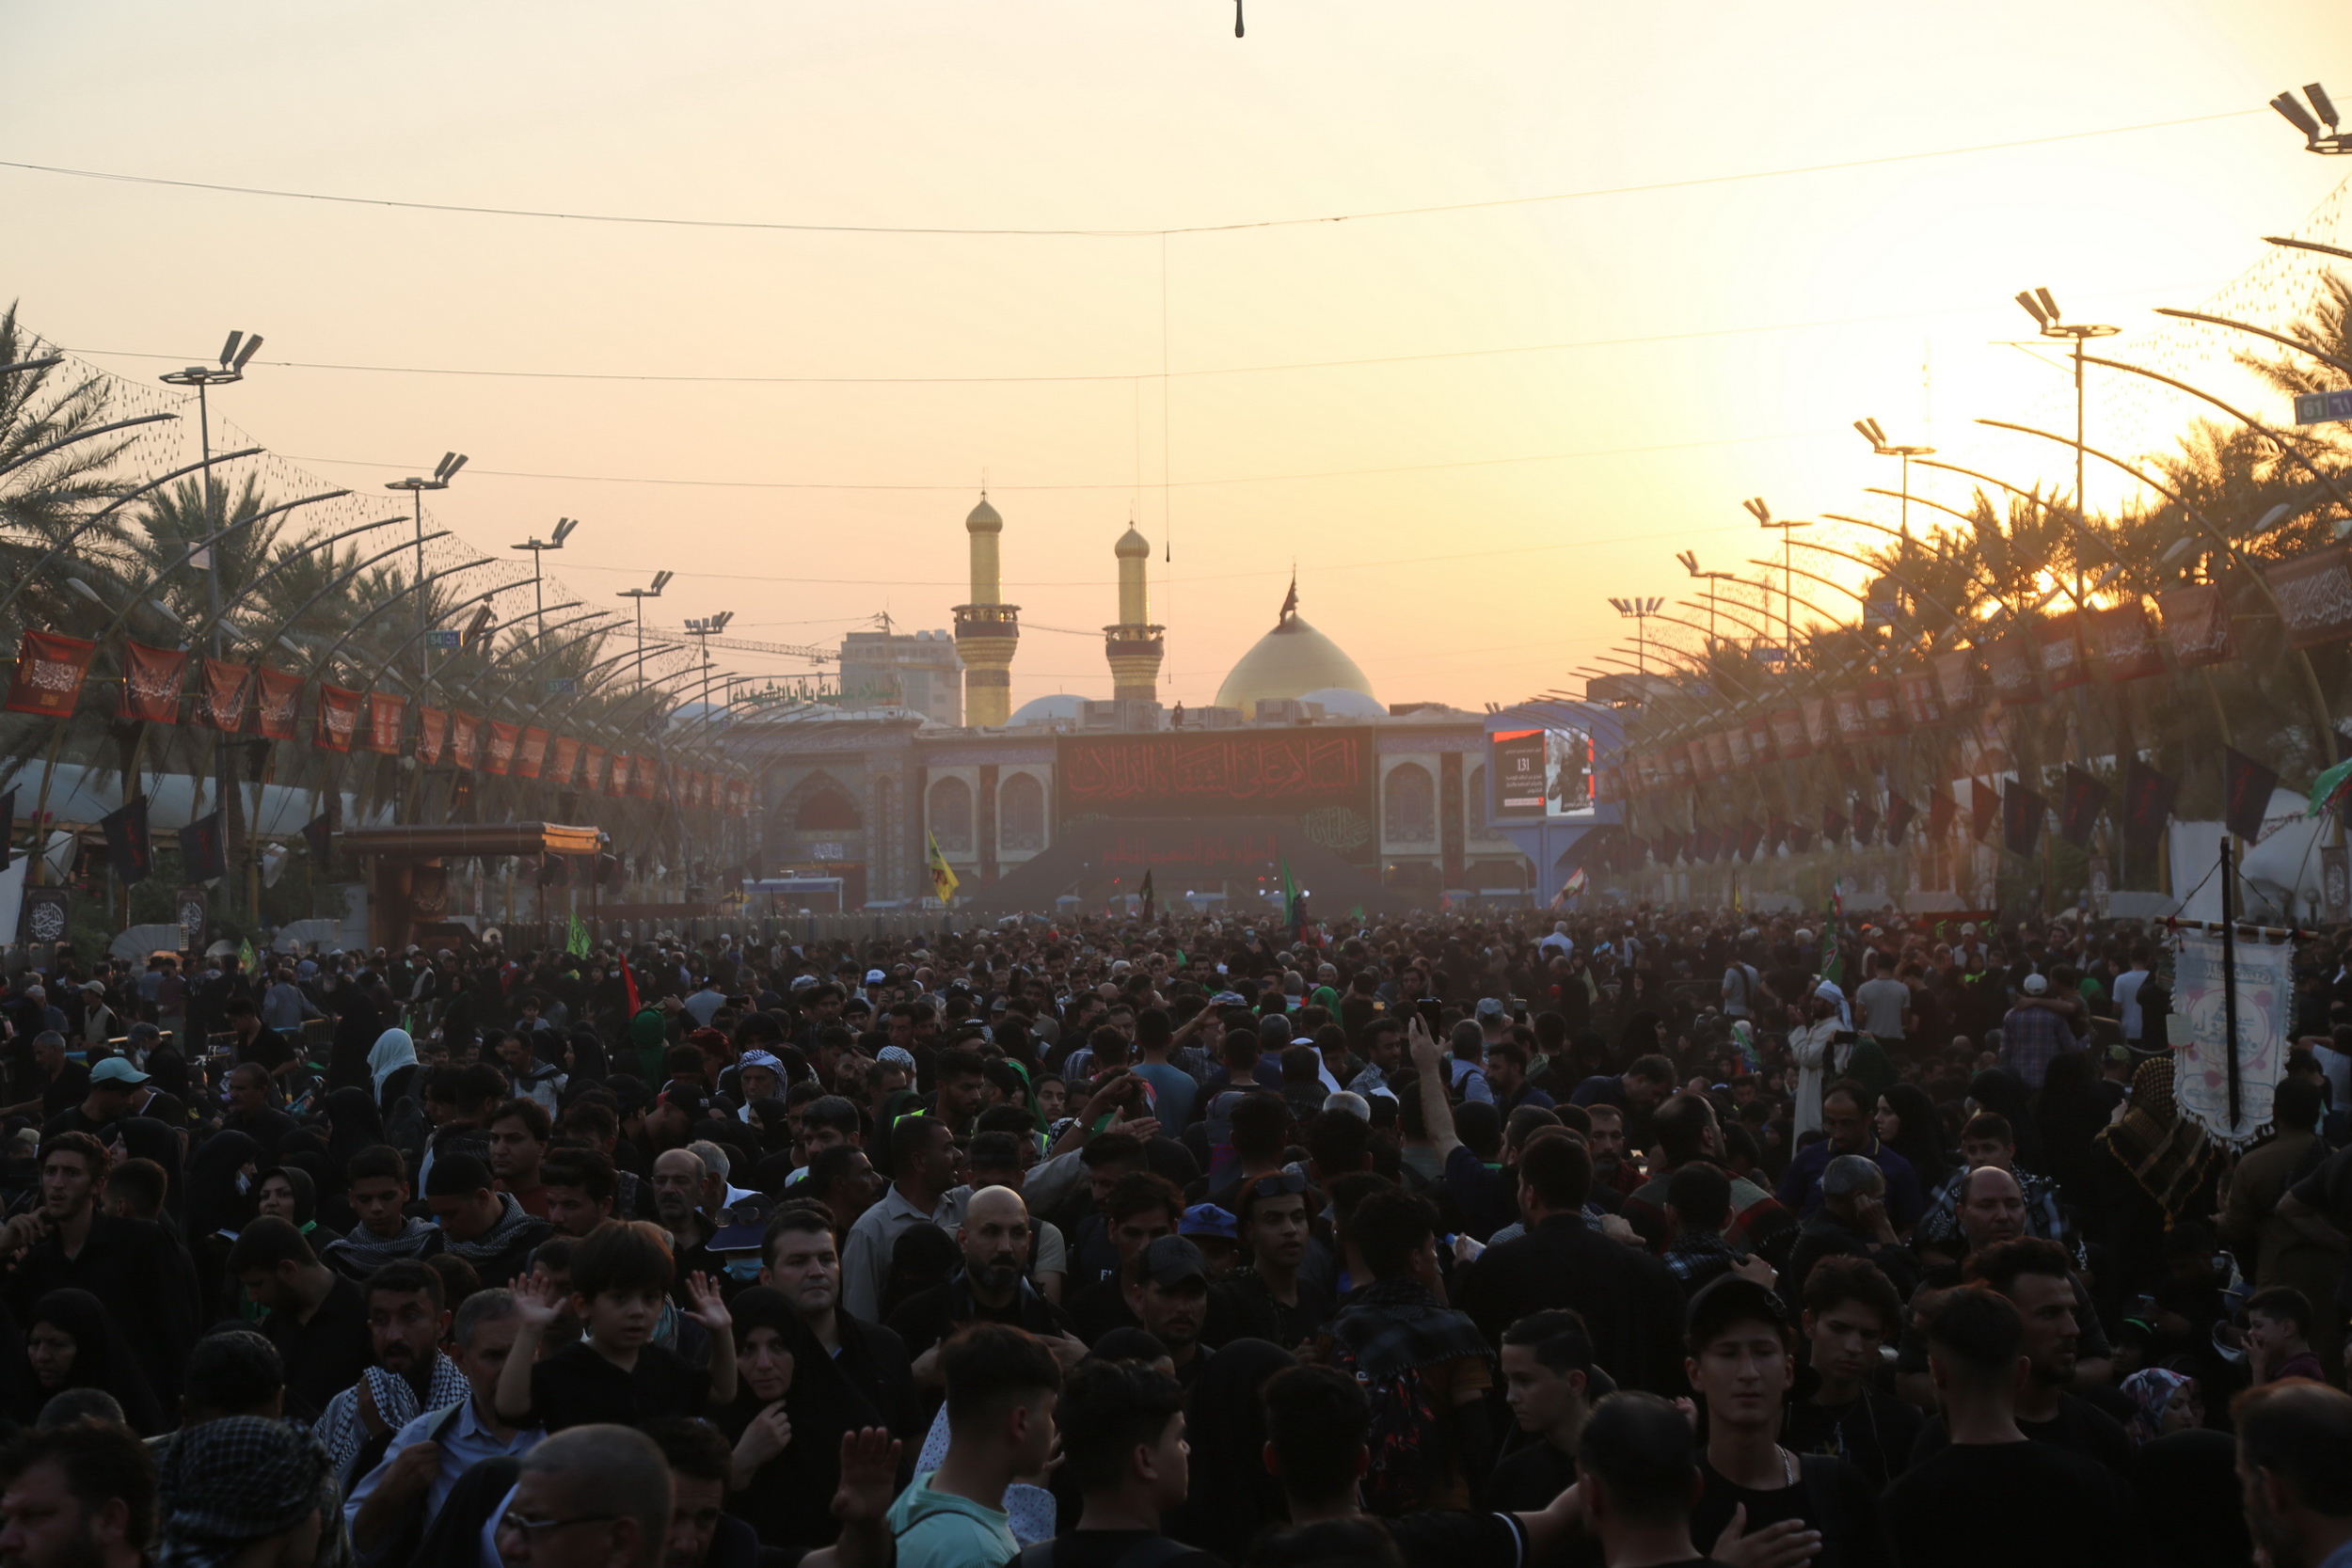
[[1808, 1042], [391, 1064]]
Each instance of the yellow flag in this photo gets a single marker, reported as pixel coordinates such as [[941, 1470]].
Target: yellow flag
[[944, 879]]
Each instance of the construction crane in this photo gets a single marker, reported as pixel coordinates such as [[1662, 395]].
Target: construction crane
[[808, 651]]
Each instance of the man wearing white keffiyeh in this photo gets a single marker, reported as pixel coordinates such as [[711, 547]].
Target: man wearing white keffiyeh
[[406, 1322]]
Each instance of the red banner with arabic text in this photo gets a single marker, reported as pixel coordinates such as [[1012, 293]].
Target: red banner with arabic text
[[618, 783], [464, 739], [500, 759], [49, 674], [381, 732], [591, 773], [152, 678], [528, 752], [563, 762], [644, 773], [431, 736], [221, 691], [280, 703], [338, 718]]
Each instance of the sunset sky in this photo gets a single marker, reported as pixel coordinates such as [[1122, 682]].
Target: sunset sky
[[1566, 392]]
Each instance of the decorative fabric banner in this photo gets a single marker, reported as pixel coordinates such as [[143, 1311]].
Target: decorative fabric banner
[[1943, 810], [2126, 643], [2201, 1069], [1820, 723], [1736, 738], [2059, 648], [464, 739], [2245, 788], [618, 784], [221, 692], [1760, 747], [1899, 814], [2315, 594], [1799, 838], [338, 718], [564, 762], [644, 773], [1882, 708], [1865, 822], [432, 734], [503, 737], [381, 733], [1790, 738], [204, 849], [1833, 826], [2147, 805], [2021, 812], [128, 845], [1678, 759], [1710, 845], [2015, 667], [1750, 840], [1845, 707], [152, 678], [1984, 807], [2197, 624], [1955, 680], [1702, 765], [279, 704], [2078, 809], [592, 775], [49, 674], [1719, 753], [1922, 704], [529, 752]]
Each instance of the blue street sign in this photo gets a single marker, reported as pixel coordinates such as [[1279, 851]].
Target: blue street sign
[[441, 639], [2322, 407], [562, 685]]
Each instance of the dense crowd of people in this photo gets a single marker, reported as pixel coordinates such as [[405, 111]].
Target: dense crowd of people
[[1448, 1242]]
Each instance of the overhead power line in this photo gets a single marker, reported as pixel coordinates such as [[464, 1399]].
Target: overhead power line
[[116, 176]]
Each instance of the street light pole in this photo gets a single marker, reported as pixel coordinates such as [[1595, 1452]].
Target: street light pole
[[661, 580], [2044, 312], [1873, 433], [443, 472], [1638, 610], [539, 548], [234, 354], [1764, 518]]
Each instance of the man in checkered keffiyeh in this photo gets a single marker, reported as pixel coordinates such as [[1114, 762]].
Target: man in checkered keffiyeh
[[229, 1483]]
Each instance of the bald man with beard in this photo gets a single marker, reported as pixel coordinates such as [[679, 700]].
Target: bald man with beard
[[993, 1287]]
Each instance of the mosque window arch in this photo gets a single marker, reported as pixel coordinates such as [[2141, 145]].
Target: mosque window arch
[[828, 810], [1409, 798], [951, 815], [1020, 814]]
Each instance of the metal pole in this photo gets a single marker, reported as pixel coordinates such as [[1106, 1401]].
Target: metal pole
[[2082, 503], [2229, 982], [424, 645]]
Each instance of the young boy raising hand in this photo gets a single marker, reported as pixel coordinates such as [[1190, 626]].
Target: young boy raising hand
[[619, 1279]]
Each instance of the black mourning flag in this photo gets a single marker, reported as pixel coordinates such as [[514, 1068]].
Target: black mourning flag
[[2022, 811], [1866, 821], [2146, 804], [1943, 810], [1750, 840], [2245, 787], [1833, 826], [129, 845], [318, 834], [1983, 808], [1776, 832], [1899, 814], [7, 829], [204, 849], [2078, 811]]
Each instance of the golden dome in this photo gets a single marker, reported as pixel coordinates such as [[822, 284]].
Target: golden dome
[[984, 519], [1132, 546], [1291, 660]]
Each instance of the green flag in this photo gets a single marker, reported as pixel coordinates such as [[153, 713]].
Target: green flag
[[2330, 787], [1289, 895], [244, 954], [576, 940]]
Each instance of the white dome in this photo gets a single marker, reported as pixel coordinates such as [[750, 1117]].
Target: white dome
[[1045, 710], [1346, 702]]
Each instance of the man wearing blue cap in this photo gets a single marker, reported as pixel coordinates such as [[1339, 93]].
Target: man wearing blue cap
[[112, 1083]]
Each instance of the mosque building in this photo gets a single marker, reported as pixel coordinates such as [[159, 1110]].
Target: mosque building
[[1067, 802]]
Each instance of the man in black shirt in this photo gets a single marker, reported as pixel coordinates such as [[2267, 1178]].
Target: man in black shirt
[[2033, 1274], [489, 1229], [1990, 1494], [1122, 1441], [1546, 1381], [995, 1237], [317, 1319], [1635, 1484], [2295, 1451], [1317, 1420], [257, 1042], [1851, 1310], [62, 1081]]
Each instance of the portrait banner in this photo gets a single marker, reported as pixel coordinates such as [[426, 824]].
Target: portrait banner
[[2201, 1068]]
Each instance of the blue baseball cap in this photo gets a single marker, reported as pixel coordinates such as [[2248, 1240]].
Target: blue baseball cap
[[1207, 1219]]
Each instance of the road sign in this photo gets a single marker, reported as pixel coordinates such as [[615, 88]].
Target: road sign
[[2322, 407], [562, 685], [440, 640]]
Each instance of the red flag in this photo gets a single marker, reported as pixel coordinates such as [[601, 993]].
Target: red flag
[[152, 678], [381, 733], [564, 762], [49, 672], [628, 987], [2197, 623], [221, 695], [432, 734], [593, 778], [528, 752], [2127, 643], [280, 703], [503, 737], [464, 739], [643, 776], [338, 718], [621, 762]]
